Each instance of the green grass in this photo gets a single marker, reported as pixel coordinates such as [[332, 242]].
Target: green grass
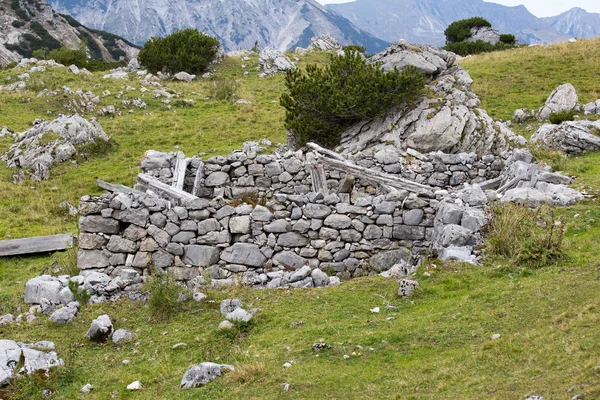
[[525, 77], [437, 345]]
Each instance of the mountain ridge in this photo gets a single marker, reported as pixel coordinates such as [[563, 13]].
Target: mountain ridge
[[236, 24]]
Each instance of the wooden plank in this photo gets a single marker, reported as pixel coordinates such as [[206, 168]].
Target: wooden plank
[[165, 190], [198, 180], [43, 244], [180, 170], [319, 180], [116, 187], [379, 177]]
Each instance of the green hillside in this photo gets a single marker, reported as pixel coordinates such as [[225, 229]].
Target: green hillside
[[437, 345]]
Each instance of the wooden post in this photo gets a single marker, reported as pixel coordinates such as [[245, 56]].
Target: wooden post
[[180, 170], [198, 180], [319, 179]]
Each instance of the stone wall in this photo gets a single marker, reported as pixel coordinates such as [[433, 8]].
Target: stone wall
[[247, 171], [297, 240]]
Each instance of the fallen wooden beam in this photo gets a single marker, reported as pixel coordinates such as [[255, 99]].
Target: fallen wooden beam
[[43, 244], [164, 190], [198, 180], [116, 187]]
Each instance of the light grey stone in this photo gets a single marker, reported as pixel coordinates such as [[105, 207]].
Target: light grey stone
[[319, 277], [261, 214], [229, 305], [201, 256], [89, 241], [98, 224], [289, 260], [244, 254], [563, 98], [100, 329], [122, 336], [318, 211], [239, 224], [301, 274], [42, 287], [292, 239], [201, 374], [413, 217], [407, 287], [218, 178], [338, 221], [239, 315], [117, 244]]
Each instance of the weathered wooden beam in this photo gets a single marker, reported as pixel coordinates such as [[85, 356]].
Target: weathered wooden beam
[[319, 179], [198, 180], [43, 244], [165, 190], [180, 170], [375, 176], [116, 187], [322, 150]]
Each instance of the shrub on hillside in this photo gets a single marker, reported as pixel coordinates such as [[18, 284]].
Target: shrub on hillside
[[461, 30], [323, 102], [508, 38], [18, 23], [477, 47], [561, 116], [67, 56], [354, 47], [186, 50]]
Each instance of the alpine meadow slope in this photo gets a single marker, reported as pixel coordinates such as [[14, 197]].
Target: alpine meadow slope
[[498, 330]]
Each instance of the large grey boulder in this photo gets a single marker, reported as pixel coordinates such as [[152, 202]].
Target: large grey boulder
[[272, 61], [485, 34], [563, 98], [244, 254], [100, 330], [571, 137], [50, 142], [203, 373], [122, 336], [30, 358], [43, 287]]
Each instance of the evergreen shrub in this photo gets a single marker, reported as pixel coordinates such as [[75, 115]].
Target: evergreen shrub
[[186, 50], [323, 102]]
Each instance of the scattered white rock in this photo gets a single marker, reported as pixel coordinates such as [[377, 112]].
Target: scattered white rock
[[87, 388], [137, 385], [201, 374]]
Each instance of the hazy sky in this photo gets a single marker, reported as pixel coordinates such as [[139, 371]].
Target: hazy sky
[[540, 8]]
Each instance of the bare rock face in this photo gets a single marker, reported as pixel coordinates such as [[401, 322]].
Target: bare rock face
[[50, 142], [485, 34], [450, 122], [430, 60], [273, 61], [571, 137], [563, 98], [324, 43]]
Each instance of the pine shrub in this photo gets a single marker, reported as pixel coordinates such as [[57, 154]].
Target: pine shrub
[[186, 50], [461, 30], [323, 102], [559, 117], [508, 38]]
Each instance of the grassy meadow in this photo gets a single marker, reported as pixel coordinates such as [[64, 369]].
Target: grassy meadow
[[437, 345]]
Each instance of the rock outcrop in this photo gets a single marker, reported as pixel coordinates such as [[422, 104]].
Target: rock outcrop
[[30, 358], [563, 98], [485, 34], [571, 137], [50, 142], [451, 121], [324, 43], [272, 61]]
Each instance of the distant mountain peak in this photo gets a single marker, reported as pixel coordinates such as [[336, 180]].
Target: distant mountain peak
[[282, 24]]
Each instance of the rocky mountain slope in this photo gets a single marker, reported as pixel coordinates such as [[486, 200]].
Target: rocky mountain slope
[[26, 26], [237, 24], [576, 23], [424, 21]]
